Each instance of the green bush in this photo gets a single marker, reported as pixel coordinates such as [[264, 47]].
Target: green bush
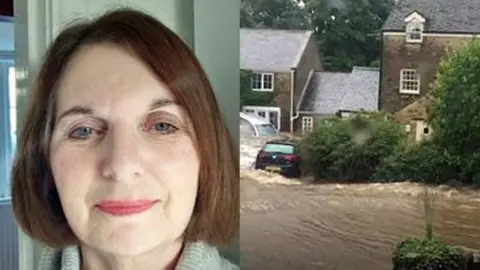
[[418, 254], [349, 149], [426, 162], [455, 110]]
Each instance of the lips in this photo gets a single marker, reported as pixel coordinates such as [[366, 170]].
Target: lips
[[125, 207]]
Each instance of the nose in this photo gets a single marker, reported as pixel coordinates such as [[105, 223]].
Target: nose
[[122, 159]]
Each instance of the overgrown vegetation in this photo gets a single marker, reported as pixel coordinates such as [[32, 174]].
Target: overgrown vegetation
[[455, 111], [350, 149], [252, 98], [425, 162], [421, 254]]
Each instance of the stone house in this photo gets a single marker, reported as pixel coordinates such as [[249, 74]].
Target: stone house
[[415, 37], [281, 62], [330, 94]]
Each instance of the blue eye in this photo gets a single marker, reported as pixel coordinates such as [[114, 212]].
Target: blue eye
[[164, 127], [81, 133]]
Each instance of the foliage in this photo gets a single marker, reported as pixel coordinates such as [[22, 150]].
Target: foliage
[[348, 31], [425, 162], [455, 110], [419, 254], [249, 97], [349, 149], [276, 14]]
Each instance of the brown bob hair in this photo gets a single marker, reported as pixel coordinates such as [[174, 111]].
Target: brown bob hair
[[36, 202]]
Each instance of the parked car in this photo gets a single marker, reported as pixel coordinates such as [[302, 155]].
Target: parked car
[[252, 125], [280, 156]]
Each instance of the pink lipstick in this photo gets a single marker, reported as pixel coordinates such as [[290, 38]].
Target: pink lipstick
[[125, 207]]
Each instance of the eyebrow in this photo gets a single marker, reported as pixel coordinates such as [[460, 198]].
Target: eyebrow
[[162, 102], [86, 110]]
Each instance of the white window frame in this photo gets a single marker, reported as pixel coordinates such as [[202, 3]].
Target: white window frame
[[256, 109], [414, 28], [262, 82], [307, 124], [404, 81]]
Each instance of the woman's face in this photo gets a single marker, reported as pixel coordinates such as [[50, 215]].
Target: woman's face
[[124, 163]]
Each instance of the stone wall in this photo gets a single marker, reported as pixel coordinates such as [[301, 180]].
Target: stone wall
[[309, 60], [410, 115], [282, 98]]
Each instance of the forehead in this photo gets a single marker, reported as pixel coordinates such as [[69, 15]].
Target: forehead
[[105, 73]]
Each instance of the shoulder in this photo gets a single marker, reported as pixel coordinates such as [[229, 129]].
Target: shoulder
[[227, 265], [200, 255]]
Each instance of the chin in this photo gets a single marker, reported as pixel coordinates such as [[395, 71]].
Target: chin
[[128, 240], [130, 246]]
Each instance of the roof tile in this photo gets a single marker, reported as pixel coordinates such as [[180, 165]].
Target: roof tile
[[270, 49]]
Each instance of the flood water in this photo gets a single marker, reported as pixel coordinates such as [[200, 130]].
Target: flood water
[[293, 224]]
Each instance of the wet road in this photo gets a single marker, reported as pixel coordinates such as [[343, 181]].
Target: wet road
[[289, 224]]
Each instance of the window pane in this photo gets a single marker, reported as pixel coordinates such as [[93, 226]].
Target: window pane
[[267, 81], [280, 148], [256, 81], [266, 130]]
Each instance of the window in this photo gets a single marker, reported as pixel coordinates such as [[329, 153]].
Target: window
[[279, 148], [266, 130], [262, 82], [307, 123], [409, 81], [415, 32]]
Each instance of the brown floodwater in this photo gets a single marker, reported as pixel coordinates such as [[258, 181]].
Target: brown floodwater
[[288, 224]]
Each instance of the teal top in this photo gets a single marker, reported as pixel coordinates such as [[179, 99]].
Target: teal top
[[195, 256]]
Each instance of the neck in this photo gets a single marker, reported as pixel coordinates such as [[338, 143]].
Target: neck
[[164, 257]]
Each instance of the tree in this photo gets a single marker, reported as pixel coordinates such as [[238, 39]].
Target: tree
[[455, 109], [348, 31], [275, 14]]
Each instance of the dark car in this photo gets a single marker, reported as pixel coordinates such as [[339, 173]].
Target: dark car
[[279, 156]]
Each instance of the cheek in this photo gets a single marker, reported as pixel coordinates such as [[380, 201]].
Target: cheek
[[177, 165], [176, 157], [70, 172]]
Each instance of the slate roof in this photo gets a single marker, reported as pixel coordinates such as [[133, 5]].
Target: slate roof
[[330, 92], [271, 50], [444, 16]]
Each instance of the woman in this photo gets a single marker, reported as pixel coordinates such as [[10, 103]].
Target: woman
[[124, 161]]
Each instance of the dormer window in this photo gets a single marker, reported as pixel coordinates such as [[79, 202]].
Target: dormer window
[[414, 32], [414, 27]]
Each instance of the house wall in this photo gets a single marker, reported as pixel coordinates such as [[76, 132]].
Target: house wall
[[309, 60], [424, 57], [316, 117], [282, 98], [417, 111]]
